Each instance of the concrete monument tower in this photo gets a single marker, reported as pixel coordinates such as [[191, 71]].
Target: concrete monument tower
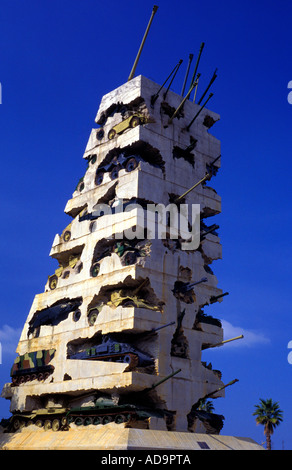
[[116, 341]]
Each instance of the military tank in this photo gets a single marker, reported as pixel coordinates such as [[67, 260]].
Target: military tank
[[32, 366], [114, 351], [104, 411]]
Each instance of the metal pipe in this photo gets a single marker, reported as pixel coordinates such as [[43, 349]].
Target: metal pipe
[[154, 10], [187, 74]]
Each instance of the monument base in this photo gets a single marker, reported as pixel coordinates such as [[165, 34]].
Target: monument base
[[106, 438]]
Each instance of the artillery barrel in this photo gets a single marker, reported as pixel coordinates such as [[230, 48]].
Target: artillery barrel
[[177, 67], [193, 187], [163, 326], [202, 107], [210, 230], [154, 10], [204, 279], [214, 298], [164, 380], [222, 342], [154, 97], [211, 81], [182, 103], [187, 73], [198, 60]]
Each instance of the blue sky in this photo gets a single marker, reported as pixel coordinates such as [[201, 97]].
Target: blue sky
[[58, 58]]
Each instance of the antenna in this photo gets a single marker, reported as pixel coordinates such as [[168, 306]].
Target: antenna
[[154, 10]]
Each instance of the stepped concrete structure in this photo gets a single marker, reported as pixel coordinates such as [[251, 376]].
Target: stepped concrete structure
[[114, 346]]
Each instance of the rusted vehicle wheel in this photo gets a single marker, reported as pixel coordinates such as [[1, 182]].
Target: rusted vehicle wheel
[[119, 419], [53, 282], [92, 317], [47, 425], [67, 236], [56, 425], [131, 164], [107, 419], [135, 121], [99, 177], [115, 172], [111, 135], [95, 270]]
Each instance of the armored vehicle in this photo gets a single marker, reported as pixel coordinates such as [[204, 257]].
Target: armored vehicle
[[113, 351], [105, 410], [131, 122], [64, 270], [48, 418], [31, 366], [129, 163]]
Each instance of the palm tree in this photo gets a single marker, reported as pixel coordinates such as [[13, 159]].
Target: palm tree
[[206, 405], [269, 414]]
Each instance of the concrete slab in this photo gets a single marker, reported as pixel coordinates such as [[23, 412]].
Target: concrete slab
[[107, 438]]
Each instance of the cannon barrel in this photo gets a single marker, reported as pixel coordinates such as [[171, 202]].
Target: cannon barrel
[[206, 177], [154, 10], [177, 67], [210, 230], [200, 110], [214, 298], [187, 74], [209, 395], [154, 97], [198, 60], [143, 283], [214, 76], [161, 327], [204, 279], [164, 380], [182, 103], [208, 346]]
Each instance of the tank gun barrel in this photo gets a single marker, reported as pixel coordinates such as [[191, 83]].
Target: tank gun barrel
[[209, 395], [208, 346], [214, 298], [161, 327], [182, 102], [191, 56], [198, 60], [177, 67], [207, 176], [214, 76], [143, 283], [210, 230], [204, 279], [154, 10], [163, 380], [200, 110], [154, 97]]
